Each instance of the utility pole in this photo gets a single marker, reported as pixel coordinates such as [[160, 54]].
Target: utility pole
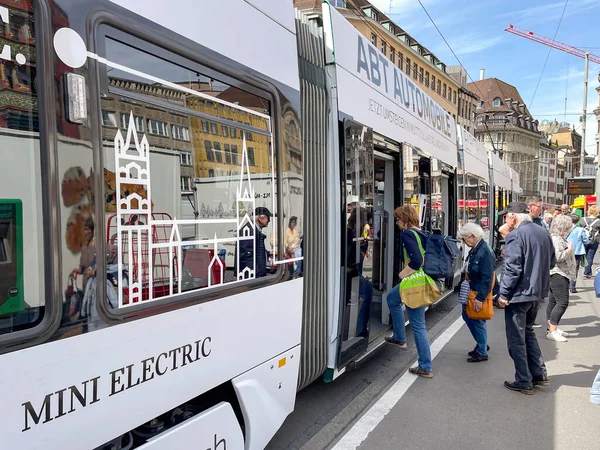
[[573, 51], [585, 89]]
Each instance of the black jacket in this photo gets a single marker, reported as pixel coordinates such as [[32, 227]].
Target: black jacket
[[482, 264], [528, 258], [247, 254]]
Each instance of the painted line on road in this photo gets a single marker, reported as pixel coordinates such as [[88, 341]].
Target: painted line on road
[[367, 423]]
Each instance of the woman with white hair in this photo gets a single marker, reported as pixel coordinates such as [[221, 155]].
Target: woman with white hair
[[480, 266], [560, 274]]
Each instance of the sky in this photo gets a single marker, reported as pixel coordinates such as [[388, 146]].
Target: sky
[[475, 31]]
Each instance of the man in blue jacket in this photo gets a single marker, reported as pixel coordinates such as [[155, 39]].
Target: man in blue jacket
[[528, 258]]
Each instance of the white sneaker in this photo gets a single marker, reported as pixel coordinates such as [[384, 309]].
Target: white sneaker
[[555, 336], [563, 333]]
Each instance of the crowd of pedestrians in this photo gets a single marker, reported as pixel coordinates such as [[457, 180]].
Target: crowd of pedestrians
[[541, 259]]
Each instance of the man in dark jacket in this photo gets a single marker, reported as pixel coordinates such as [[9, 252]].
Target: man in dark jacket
[[528, 258], [262, 217]]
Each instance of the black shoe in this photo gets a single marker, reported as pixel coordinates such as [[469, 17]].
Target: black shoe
[[391, 340], [477, 358], [514, 387], [573, 291], [474, 351], [540, 381]]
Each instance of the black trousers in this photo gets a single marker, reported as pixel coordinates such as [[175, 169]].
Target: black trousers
[[523, 346], [559, 298], [578, 260]]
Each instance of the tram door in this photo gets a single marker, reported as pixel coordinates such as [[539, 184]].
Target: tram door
[[357, 291]]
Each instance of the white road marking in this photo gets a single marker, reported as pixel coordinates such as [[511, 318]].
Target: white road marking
[[367, 423]]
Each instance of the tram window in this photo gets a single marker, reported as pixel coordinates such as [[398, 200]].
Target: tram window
[[417, 184], [440, 197], [153, 254], [22, 296]]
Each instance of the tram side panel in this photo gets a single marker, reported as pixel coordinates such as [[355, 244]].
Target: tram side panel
[[135, 325]]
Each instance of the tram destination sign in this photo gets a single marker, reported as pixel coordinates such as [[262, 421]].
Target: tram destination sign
[[581, 186]]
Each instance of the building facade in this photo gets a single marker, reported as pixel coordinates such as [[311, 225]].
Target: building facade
[[401, 49], [505, 126], [467, 100]]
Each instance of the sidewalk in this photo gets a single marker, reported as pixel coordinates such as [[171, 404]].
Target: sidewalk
[[465, 406]]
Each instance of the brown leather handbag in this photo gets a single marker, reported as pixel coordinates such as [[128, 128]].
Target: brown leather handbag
[[487, 310]]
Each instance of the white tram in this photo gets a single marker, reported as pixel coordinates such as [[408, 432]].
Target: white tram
[[148, 148]]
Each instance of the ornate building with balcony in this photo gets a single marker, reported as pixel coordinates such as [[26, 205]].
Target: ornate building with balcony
[[505, 126]]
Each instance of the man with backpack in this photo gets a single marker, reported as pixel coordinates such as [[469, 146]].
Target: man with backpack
[[591, 224]]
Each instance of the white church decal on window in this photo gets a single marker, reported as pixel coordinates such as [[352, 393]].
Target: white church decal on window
[[138, 240]]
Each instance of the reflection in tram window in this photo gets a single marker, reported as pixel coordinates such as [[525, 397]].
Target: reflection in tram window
[[21, 227], [161, 241]]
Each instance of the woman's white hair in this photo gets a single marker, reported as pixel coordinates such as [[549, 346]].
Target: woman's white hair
[[561, 225], [471, 229], [547, 216]]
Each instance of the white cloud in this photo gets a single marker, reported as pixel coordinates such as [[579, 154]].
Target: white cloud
[[472, 43]]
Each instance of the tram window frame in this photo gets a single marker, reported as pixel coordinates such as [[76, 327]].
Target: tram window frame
[[44, 327], [128, 32]]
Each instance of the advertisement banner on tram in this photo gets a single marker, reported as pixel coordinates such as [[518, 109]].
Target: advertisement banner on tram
[[374, 92]]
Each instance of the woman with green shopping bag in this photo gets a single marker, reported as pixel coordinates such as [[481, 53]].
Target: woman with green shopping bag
[[413, 241]]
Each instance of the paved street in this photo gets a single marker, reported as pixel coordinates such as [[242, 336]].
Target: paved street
[[466, 406]]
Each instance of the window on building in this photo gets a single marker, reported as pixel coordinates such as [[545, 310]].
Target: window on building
[[439, 87], [211, 173], [251, 160], [139, 122], [393, 56], [225, 131], [497, 102], [232, 132], [414, 71], [157, 127], [454, 97], [444, 90], [210, 154], [205, 126], [427, 79], [400, 60], [217, 149], [109, 119], [374, 39], [214, 129], [249, 136], [421, 76], [433, 82], [383, 47], [234, 155], [185, 158], [180, 133], [187, 184], [227, 153]]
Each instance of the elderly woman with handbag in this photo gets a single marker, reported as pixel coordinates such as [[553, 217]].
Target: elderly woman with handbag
[[477, 289]]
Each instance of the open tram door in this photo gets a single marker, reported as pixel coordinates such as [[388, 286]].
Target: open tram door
[[370, 173]]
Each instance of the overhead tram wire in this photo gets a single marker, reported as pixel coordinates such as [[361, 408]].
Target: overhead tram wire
[[359, 14], [461, 64], [548, 55]]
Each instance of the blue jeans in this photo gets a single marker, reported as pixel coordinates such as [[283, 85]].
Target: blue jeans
[[478, 329], [364, 314], [416, 318], [590, 252]]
